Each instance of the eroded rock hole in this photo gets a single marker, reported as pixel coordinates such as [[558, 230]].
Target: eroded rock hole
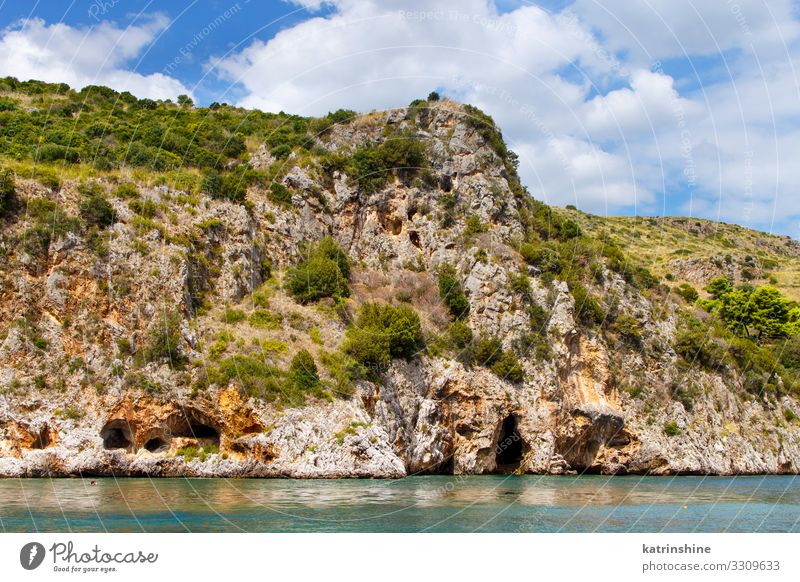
[[42, 440], [413, 236], [198, 431], [394, 226], [509, 446], [446, 183], [116, 435], [156, 444]]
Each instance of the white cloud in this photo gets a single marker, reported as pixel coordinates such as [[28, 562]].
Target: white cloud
[[98, 55], [647, 105], [657, 29]]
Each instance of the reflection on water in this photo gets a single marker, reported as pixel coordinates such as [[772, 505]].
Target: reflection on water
[[431, 503]]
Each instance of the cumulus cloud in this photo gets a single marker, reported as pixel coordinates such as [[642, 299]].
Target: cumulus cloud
[[99, 55]]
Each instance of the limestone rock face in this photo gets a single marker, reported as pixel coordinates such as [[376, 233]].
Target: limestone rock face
[[77, 397]]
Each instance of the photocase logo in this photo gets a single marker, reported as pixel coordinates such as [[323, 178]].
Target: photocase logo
[[31, 555]]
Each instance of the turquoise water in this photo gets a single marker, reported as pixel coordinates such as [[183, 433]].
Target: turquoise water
[[525, 503]]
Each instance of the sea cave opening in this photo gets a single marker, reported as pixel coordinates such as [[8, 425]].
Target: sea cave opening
[[156, 444], [197, 430], [116, 435], [508, 453]]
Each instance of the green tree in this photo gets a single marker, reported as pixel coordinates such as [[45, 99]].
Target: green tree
[[736, 311], [770, 312], [719, 287]]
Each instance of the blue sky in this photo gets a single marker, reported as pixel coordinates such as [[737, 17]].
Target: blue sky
[[687, 107]]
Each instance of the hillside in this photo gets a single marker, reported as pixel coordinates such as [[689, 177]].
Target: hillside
[[694, 250], [223, 292]]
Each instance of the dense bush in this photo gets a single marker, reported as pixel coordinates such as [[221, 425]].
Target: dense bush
[[303, 371], [587, 308], [628, 328], [97, 211], [280, 194], [688, 292], [224, 187], [8, 191], [256, 376], [488, 352], [542, 222], [544, 257], [383, 332], [401, 155], [451, 292], [324, 273], [164, 341], [694, 343]]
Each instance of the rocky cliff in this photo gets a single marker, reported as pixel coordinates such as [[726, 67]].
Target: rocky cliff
[[599, 387]]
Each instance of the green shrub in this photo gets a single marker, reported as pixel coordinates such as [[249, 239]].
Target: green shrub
[[587, 308], [164, 341], [324, 273], [97, 211], [343, 371], [719, 287], [451, 292], [127, 190], [694, 343], [145, 208], [232, 316], [508, 367], [280, 194], [265, 319], [303, 371], [474, 226], [257, 377], [221, 187], [402, 155], [8, 192], [460, 334], [688, 292], [49, 180], [671, 428], [544, 257], [383, 332], [520, 283], [488, 352], [541, 222], [628, 328]]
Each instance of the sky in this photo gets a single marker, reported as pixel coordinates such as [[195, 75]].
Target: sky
[[646, 107]]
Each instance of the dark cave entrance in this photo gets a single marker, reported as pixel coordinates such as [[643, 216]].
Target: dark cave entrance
[[116, 435], [156, 444], [192, 424], [508, 453]]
